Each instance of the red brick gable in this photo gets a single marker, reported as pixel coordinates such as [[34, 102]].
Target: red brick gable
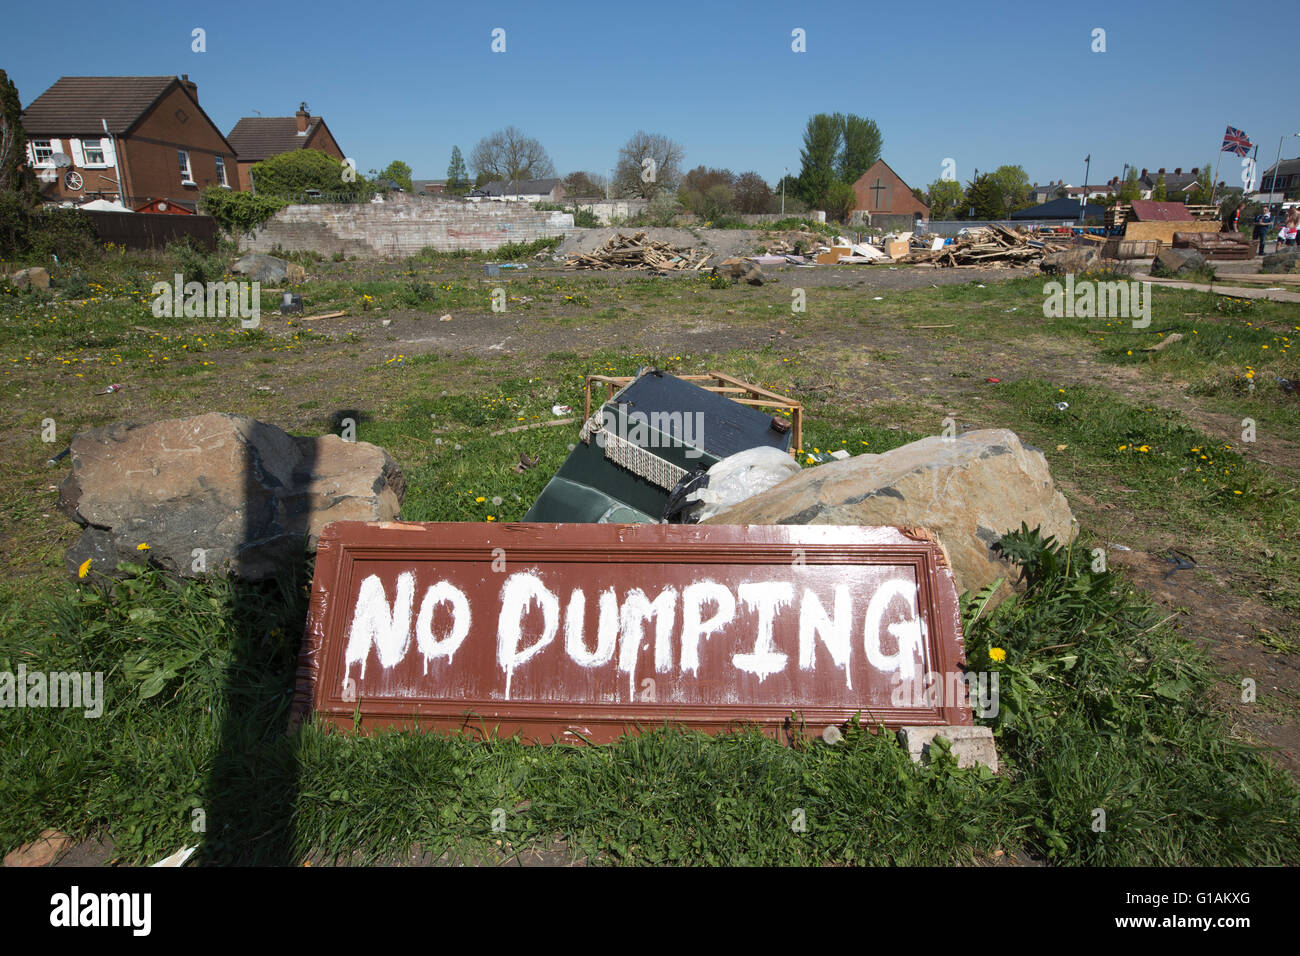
[[881, 190]]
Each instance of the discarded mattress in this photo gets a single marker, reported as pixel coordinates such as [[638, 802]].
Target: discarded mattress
[[642, 444]]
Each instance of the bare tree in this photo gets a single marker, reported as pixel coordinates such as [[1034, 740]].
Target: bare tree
[[648, 164], [510, 156], [585, 185], [753, 195]]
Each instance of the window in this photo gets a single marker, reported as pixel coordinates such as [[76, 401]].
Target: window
[[221, 171], [42, 150], [186, 177], [94, 151]]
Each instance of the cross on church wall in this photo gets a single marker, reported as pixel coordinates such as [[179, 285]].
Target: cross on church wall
[[877, 189]]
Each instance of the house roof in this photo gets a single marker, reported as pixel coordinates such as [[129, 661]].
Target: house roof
[[80, 104], [256, 138], [1174, 182], [1063, 208], [1288, 167], [1148, 210], [523, 187]]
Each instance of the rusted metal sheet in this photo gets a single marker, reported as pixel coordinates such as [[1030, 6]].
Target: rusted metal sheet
[[568, 632]]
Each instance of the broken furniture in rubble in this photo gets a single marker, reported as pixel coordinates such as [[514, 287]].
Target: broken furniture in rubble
[[654, 436]]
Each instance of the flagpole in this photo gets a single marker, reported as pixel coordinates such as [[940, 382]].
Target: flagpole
[[1214, 182]]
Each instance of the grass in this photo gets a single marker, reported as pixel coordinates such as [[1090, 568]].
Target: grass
[[1103, 705]]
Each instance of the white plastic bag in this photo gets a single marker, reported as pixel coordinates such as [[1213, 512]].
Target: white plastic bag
[[742, 476]]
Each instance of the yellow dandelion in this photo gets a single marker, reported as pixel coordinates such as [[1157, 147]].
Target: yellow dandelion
[[84, 568], [142, 546], [997, 654]]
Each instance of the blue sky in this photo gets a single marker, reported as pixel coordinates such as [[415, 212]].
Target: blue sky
[[982, 83]]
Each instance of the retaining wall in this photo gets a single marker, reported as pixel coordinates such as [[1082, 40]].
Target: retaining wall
[[403, 226]]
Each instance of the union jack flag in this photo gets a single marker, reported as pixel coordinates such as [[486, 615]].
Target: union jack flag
[[1235, 141]]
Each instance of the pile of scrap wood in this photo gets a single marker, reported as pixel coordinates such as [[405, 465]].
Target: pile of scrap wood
[[639, 252], [783, 243], [987, 246]]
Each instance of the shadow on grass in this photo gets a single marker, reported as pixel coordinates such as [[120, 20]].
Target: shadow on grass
[[252, 790]]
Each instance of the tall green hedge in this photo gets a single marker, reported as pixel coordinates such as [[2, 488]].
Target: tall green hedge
[[239, 212]]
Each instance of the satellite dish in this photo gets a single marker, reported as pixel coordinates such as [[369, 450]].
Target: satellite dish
[[61, 160]]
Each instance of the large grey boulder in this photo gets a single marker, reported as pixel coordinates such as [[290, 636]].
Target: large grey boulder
[[259, 267], [1075, 261], [218, 491], [967, 491], [1284, 260], [1176, 262]]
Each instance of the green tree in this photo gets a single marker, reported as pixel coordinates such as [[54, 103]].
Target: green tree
[[944, 197], [983, 198], [14, 174], [290, 174], [399, 173], [1200, 194], [1013, 184], [1131, 188], [457, 174], [822, 140], [709, 193], [1160, 193], [839, 201], [861, 145]]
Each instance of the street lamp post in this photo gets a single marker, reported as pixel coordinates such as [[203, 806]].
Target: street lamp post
[[783, 179]]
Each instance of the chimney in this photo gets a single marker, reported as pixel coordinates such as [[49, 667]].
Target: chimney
[[303, 118], [1144, 174], [191, 86], [1196, 170], [1160, 171], [1178, 171]]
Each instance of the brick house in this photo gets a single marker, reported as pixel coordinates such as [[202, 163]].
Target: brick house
[[256, 138], [131, 139], [882, 192]]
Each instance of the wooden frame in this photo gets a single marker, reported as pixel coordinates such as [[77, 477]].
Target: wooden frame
[[740, 392]]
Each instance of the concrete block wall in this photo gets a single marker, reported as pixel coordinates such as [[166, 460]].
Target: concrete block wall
[[609, 209], [402, 226]]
